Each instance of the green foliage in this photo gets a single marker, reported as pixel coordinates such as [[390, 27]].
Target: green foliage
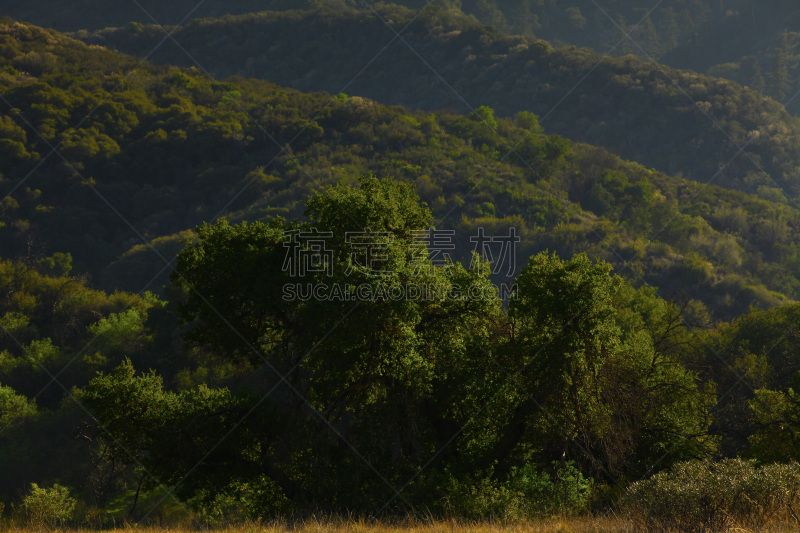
[[764, 57], [131, 408], [398, 379], [528, 121], [174, 148], [569, 22], [275, 405], [143, 423], [47, 508], [483, 499], [485, 114], [241, 501], [636, 108], [58, 265], [14, 408], [564, 318], [579, 352], [565, 492], [122, 331], [242, 319], [753, 360], [715, 496], [583, 379], [776, 417], [49, 320]]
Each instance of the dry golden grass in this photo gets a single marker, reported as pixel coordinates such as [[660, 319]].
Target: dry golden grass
[[568, 525]]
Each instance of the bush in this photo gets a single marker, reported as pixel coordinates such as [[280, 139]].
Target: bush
[[529, 492], [47, 508], [566, 492], [481, 499], [708, 496]]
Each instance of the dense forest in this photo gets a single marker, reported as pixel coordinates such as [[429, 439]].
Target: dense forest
[[751, 42], [161, 358], [662, 30], [216, 148], [706, 129], [461, 406]]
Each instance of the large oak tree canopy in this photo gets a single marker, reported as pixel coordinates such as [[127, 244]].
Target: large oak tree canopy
[[373, 393]]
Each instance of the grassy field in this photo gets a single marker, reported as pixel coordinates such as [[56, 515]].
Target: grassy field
[[570, 525], [555, 525]]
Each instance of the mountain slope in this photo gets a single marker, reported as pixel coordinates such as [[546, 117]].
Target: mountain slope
[[151, 151], [568, 22], [675, 121], [66, 15], [753, 46]]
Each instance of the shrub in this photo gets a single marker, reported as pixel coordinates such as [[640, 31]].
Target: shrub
[[529, 492], [566, 492], [481, 499], [47, 508], [708, 496]]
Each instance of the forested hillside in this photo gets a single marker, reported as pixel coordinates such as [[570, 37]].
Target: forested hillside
[[271, 407], [96, 14], [392, 380], [164, 149], [224, 299], [707, 129], [694, 35], [670, 24], [740, 40], [763, 55]]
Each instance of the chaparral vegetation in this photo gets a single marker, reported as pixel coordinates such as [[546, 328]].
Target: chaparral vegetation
[[343, 266]]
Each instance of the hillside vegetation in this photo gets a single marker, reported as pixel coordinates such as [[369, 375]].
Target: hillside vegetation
[[228, 402], [671, 24], [165, 360], [706, 129], [764, 54], [739, 40], [98, 14], [164, 149]]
